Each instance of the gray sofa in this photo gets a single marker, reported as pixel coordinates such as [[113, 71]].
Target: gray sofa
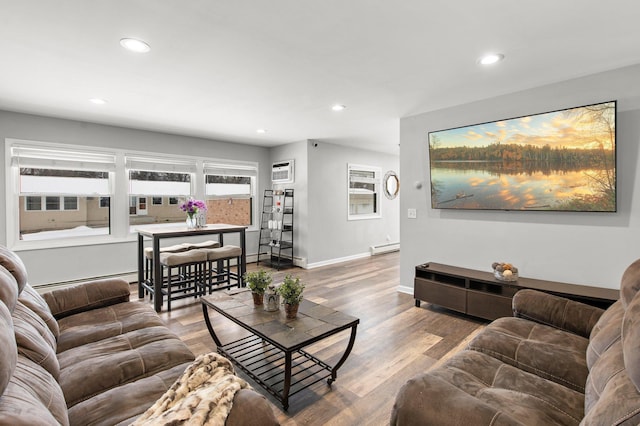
[[86, 355], [556, 362]]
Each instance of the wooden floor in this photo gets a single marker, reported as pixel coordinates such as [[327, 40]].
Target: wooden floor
[[395, 340]]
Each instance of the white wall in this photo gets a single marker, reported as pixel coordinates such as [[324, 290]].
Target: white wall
[[64, 264], [582, 248], [332, 237]]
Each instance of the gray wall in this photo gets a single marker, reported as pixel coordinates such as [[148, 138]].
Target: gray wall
[[297, 152], [70, 263], [332, 235], [582, 248], [323, 233]]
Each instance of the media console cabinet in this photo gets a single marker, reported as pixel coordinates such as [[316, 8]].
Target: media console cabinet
[[480, 294]]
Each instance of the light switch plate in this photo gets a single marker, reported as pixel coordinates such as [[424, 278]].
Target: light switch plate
[[412, 213]]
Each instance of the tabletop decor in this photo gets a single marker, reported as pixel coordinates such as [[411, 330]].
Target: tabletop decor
[[192, 207], [271, 299], [258, 281], [504, 271], [291, 292]]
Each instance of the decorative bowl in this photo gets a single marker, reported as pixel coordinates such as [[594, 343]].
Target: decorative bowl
[[501, 277]]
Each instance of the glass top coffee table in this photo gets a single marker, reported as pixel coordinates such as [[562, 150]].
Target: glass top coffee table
[[272, 354]]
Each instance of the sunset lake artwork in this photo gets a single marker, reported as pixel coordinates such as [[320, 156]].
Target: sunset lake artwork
[[562, 160]]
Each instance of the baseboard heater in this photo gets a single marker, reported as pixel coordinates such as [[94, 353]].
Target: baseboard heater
[[384, 248]]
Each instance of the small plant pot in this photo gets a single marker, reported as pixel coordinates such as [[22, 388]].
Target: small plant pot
[[291, 310], [257, 299]]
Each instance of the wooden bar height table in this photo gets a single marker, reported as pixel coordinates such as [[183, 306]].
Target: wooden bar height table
[[272, 354], [158, 232]]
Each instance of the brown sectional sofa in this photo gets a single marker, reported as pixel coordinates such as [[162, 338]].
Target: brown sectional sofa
[[86, 355], [556, 362]]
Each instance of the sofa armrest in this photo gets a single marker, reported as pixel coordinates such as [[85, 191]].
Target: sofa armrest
[[87, 296], [556, 311]]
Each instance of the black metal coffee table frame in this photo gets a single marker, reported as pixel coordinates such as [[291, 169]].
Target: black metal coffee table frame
[[282, 370]]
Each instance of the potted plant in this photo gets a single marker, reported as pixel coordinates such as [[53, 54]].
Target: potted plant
[[291, 292], [258, 282]]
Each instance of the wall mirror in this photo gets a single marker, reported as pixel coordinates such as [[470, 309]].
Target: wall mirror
[[391, 184]]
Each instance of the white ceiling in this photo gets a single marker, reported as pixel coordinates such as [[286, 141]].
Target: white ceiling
[[222, 69]]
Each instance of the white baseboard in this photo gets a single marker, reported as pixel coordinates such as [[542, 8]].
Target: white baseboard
[[337, 260], [405, 289]]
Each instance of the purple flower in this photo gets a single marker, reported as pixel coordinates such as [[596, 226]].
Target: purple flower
[[192, 206]]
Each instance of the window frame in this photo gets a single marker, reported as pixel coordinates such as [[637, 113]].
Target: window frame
[[43, 203], [377, 214], [54, 156], [118, 194], [236, 169]]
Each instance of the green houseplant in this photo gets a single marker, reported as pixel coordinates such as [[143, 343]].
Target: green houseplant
[[258, 282], [291, 292]]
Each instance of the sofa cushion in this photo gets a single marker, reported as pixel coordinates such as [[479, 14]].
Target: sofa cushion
[[8, 351], [12, 263], [605, 333], [118, 360], [102, 323], [87, 296], [631, 341], [35, 340], [32, 398], [8, 289], [630, 283], [612, 395], [611, 398], [34, 301], [123, 404], [542, 350], [475, 388]]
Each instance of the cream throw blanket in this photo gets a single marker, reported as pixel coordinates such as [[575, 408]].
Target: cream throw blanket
[[203, 395]]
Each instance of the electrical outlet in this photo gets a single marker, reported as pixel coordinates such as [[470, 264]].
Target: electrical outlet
[[412, 213]]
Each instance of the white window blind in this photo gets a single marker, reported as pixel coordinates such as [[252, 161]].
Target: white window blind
[[230, 169], [161, 176], [62, 171], [61, 159], [229, 180]]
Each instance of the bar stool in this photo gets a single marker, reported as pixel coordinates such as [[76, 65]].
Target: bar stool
[[203, 245], [148, 254], [191, 266], [222, 273], [147, 284]]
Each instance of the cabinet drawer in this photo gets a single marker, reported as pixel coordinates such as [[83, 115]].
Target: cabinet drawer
[[440, 294], [488, 306]]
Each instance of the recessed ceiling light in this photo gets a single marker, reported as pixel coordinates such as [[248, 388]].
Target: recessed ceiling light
[[491, 58], [261, 131], [98, 101], [135, 45], [338, 107]]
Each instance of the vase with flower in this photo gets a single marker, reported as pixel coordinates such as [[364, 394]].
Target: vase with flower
[[192, 207]]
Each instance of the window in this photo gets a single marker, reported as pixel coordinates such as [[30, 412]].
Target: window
[[364, 192], [70, 203], [151, 179], [230, 191], [57, 191], [50, 203], [33, 203], [65, 195]]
